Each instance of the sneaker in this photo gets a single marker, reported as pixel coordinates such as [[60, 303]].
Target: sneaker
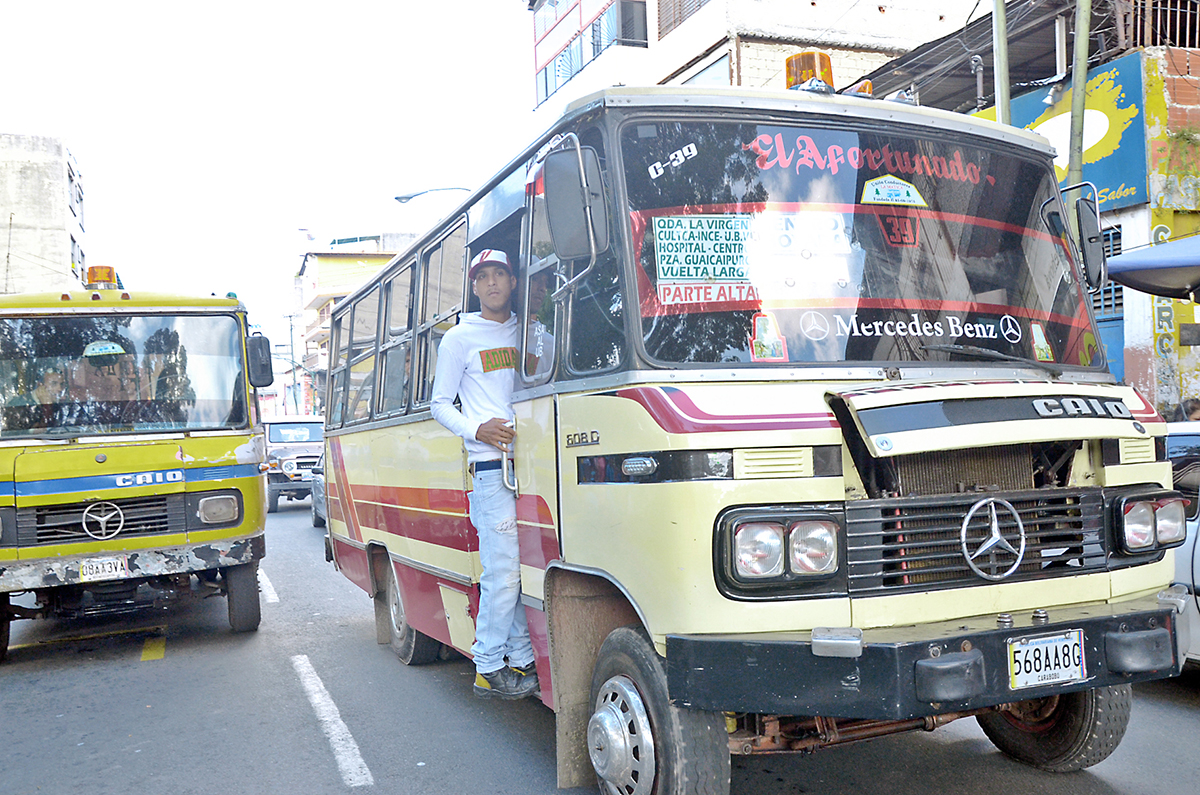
[[505, 683]]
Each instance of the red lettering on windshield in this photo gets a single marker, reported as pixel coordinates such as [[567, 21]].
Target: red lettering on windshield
[[773, 152]]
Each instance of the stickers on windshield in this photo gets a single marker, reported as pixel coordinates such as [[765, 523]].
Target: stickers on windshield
[[733, 259], [890, 189], [1041, 346], [766, 343]]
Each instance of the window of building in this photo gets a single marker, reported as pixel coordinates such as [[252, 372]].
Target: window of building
[[672, 13], [623, 22], [715, 74], [1109, 302]]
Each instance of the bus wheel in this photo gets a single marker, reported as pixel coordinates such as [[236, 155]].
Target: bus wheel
[[641, 744], [1062, 733], [241, 591], [272, 502], [5, 625], [411, 646]]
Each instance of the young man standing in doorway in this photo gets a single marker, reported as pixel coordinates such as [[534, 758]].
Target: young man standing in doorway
[[477, 362]]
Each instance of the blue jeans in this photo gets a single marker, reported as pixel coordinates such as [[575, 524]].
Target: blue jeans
[[500, 628]]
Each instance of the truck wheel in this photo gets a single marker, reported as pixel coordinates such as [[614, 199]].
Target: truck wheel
[[272, 501], [1062, 733], [241, 591], [411, 646], [5, 625], [640, 743], [317, 519]]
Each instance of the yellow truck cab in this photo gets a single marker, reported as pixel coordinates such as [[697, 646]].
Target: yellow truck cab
[[130, 452]]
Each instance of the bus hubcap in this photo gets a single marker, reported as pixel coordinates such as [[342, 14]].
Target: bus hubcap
[[619, 740]]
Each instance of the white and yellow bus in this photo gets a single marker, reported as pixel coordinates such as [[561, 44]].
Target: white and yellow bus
[[130, 452], [815, 439]]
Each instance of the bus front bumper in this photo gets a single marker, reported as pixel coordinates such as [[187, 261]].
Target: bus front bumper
[[906, 672], [133, 564]]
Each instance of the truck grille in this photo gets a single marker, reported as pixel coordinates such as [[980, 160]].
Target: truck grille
[[63, 524], [913, 544]]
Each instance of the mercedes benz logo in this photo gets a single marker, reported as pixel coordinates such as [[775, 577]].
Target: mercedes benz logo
[[814, 325], [1011, 329], [995, 549], [103, 520]]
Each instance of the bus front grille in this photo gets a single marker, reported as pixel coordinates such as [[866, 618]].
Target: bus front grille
[[63, 524], [912, 544]]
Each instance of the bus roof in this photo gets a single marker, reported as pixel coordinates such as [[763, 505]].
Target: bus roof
[[112, 300], [744, 99]]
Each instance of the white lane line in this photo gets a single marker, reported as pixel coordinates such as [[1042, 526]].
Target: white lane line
[[350, 762], [265, 585]]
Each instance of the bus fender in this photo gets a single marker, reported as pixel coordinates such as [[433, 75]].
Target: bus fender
[[582, 608]]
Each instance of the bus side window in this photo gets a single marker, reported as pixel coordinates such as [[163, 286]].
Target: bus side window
[[440, 292], [597, 302], [339, 346], [363, 331], [396, 343]]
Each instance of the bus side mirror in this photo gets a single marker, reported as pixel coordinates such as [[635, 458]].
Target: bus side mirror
[[258, 364], [1091, 243], [570, 194]]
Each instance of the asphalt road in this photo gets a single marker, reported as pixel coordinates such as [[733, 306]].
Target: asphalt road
[[171, 701]]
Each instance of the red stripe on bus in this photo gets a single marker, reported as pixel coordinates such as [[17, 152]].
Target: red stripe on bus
[[346, 504], [675, 412]]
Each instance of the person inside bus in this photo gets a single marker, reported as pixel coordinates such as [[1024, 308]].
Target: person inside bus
[[477, 363]]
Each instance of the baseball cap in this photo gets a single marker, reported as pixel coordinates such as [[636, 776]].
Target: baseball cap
[[489, 256]]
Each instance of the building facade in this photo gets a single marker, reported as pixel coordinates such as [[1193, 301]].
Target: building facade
[[323, 279], [586, 45], [41, 215]]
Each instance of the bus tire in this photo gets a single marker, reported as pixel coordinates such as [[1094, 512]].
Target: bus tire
[[241, 591], [1062, 733], [272, 501], [5, 625], [411, 646], [638, 741]]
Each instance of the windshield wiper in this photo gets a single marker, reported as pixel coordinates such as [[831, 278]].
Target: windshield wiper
[[988, 353]]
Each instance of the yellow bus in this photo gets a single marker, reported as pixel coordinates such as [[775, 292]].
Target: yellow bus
[[130, 452], [815, 440]]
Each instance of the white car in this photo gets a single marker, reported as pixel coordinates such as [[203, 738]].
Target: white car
[[1183, 450]]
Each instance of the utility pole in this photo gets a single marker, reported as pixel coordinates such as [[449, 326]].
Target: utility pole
[[1083, 28], [292, 355], [1000, 61]]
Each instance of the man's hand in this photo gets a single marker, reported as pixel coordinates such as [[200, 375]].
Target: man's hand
[[497, 433]]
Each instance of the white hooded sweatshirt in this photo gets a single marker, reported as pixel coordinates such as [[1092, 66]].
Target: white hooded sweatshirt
[[476, 361]]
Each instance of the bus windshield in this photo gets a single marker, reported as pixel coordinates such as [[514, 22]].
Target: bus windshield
[[771, 243], [99, 374]]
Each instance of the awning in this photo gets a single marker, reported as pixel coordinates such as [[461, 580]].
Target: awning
[[1171, 269]]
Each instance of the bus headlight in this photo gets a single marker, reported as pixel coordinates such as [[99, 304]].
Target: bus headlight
[[813, 547], [1150, 522], [1170, 525], [1139, 525], [758, 550], [222, 509]]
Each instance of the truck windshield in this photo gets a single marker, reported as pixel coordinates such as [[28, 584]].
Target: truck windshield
[[120, 374], [766, 243]]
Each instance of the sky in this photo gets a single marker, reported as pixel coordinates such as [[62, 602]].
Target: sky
[[208, 135]]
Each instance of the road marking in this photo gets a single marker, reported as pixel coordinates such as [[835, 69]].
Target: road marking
[[154, 648], [267, 589], [349, 761]]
